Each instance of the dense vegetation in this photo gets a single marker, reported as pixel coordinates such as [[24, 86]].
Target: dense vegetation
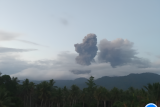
[[45, 94]]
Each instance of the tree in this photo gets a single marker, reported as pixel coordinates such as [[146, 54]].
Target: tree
[[154, 92], [74, 93], [104, 95], [26, 91], [143, 97], [10, 85], [91, 88], [5, 98], [115, 95], [98, 95], [44, 91], [65, 93], [31, 92], [59, 97], [83, 95]]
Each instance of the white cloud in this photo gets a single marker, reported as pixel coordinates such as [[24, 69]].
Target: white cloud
[[29, 42], [6, 36], [60, 69]]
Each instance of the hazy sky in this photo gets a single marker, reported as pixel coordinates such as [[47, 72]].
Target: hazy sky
[[37, 38]]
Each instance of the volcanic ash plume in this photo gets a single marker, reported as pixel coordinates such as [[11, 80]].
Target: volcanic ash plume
[[118, 52], [87, 50]]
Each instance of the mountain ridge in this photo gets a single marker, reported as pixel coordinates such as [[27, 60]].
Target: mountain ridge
[[121, 82]]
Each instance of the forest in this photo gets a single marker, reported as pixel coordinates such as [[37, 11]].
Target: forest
[[46, 94]]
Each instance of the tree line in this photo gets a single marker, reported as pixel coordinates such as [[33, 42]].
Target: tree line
[[46, 94]]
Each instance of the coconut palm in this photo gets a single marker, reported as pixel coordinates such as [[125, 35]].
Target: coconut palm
[[129, 98], [143, 97], [58, 97], [115, 95], [26, 89], [65, 93], [105, 95], [98, 95], [74, 93], [5, 98], [154, 92], [83, 95], [31, 91], [44, 91]]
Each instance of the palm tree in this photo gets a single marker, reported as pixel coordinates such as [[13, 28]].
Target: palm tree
[[5, 98], [142, 97], [26, 89], [65, 93], [154, 92], [45, 91], [83, 95], [129, 98], [104, 95], [74, 93], [58, 96], [115, 95], [98, 95], [31, 91], [52, 89], [124, 101]]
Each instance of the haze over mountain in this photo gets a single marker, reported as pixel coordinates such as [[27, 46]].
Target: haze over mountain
[[121, 82]]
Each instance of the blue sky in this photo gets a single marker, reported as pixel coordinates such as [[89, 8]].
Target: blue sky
[[47, 30]]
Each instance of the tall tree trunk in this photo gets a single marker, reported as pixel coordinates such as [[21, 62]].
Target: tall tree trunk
[[64, 103], [51, 104], [45, 103], [41, 102], [58, 104], [24, 101], [30, 100], [111, 103], [72, 103], [83, 103], [104, 103], [97, 103], [125, 105]]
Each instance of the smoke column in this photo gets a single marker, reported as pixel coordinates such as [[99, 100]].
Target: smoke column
[[87, 50]]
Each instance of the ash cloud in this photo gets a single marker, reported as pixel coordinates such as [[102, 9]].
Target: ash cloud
[[141, 62], [87, 50], [119, 52], [81, 71]]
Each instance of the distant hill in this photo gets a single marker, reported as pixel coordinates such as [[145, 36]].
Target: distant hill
[[121, 82]]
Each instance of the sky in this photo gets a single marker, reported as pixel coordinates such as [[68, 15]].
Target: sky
[[68, 39]]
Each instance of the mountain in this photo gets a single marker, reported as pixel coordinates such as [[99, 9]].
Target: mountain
[[124, 82], [121, 82]]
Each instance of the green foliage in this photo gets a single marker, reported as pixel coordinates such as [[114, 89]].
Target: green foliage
[[9, 84], [153, 91], [46, 94], [5, 98]]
